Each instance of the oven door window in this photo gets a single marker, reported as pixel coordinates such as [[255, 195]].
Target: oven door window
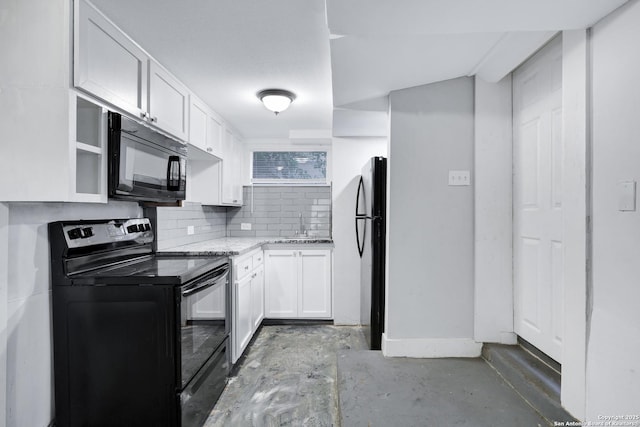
[[203, 325], [148, 169]]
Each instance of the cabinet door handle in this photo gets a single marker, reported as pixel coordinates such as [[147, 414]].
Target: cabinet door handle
[[143, 114], [154, 119], [209, 149]]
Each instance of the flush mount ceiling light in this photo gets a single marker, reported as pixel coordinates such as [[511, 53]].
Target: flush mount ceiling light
[[276, 100]]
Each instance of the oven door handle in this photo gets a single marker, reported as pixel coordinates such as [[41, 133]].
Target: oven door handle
[[220, 275]]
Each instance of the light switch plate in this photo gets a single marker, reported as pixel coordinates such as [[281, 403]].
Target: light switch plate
[[190, 229], [627, 196], [459, 178], [245, 226]]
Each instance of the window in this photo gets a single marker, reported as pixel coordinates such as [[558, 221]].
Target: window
[[289, 166]]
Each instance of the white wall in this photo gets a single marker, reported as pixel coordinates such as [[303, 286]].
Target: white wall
[[29, 369], [4, 277], [350, 155], [613, 344], [430, 224], [574, 222], [493, 227]]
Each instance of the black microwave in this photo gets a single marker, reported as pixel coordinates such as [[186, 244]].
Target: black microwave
[[144, 165]]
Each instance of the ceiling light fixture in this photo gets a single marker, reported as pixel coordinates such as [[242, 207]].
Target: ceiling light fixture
[[276, 100]]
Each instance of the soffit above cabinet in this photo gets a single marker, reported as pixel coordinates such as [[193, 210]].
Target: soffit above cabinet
[[379, 46]]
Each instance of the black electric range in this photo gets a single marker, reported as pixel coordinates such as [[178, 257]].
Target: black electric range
[[140, 338]]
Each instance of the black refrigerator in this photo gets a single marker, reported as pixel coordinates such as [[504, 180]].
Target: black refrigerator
[[371, 201]]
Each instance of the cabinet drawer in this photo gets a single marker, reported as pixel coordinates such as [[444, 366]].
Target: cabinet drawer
[[258, 259], [244, 267]]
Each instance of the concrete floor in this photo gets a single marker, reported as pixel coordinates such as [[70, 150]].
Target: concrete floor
[[287, 379], [377, 391], [321, 375]]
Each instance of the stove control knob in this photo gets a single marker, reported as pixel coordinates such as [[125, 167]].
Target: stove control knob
[[75, 233], [87, 232], [147, 227], [132, 228]]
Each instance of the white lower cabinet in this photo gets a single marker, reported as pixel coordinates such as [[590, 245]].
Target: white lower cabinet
[[248, 299], [298, 284], [243, 325], [257, 297], [281, 284]]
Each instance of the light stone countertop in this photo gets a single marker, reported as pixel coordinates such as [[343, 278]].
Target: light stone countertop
[[231, 246]]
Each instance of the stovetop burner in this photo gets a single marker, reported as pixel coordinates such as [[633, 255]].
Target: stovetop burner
[[118, 252], [152, 269]]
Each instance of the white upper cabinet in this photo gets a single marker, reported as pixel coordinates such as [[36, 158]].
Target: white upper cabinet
[[111, 66], [198, 118], [107, 63], [168, 101], [205, 154], [214, 135], [237, 162], [53, 139], [205, 128], [232, 153], [227, 169]]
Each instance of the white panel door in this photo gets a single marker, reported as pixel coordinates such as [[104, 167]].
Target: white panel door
[[538, 163]]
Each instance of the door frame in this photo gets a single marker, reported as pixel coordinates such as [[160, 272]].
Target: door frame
[[493, 163]]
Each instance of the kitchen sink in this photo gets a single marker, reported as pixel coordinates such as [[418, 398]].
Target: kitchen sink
[[304, 239]]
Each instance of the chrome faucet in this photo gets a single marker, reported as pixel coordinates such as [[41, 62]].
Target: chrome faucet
[[302, 231]]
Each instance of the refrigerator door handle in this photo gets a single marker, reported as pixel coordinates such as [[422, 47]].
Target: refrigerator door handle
[[364, 233], [362, 217], [360, 189]]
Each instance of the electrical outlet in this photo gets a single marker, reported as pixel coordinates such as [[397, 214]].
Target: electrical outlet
[[459, 178], [245, 226], [190, 229]]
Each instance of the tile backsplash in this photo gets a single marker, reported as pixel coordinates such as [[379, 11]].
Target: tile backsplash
[[276, 211], [175, 223], [270, 211]]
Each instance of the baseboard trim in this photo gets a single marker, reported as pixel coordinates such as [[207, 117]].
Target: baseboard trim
[[430, 348]]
